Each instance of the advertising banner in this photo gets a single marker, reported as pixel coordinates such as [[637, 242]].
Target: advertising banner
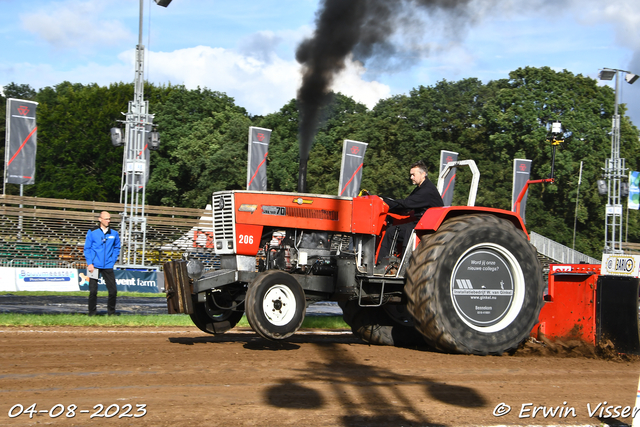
[[351, 167], [21, 142], [620, 265], [634, 191], [258, 152], [46, 279], [7, 279], [521, 173], [450, 179], [126, 281]]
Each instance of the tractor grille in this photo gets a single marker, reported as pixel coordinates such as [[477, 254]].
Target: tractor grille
[[223, 222], [312, 213]]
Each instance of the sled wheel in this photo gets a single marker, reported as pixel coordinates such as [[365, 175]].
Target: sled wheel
[[209, 318], [275, 305], [376, 325], [475, 286]]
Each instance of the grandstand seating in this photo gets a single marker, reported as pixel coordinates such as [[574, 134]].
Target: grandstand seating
[[46, 232]]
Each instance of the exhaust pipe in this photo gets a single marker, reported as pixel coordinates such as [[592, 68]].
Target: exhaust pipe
[[302, 176]]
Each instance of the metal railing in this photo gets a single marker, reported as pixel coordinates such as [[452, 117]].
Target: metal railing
[[560, 253]]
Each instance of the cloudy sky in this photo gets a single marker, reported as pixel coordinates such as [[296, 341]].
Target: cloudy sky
[[246, 48]]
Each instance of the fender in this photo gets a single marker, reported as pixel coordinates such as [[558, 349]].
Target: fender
[[434, 217]]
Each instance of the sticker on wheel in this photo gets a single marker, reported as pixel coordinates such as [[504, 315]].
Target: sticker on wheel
[[482, 287]]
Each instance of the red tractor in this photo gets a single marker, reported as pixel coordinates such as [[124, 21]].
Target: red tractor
[[468, 281]]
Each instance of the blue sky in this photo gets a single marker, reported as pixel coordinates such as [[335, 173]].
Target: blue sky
[[246, 48]]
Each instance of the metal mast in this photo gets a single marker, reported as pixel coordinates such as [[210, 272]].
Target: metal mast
[[614, 171], [135, 167]]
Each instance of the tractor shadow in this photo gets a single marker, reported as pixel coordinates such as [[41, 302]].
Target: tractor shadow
[[366, 395]]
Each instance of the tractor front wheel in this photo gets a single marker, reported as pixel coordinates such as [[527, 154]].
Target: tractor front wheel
[[275, 305]]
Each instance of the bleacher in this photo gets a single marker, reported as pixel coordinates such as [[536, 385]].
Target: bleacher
[[42, 232]]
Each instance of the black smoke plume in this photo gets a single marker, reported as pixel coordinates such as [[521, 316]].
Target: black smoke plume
[[363, 29]]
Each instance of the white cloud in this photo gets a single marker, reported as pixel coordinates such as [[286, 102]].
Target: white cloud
[[350, 82], [624, 15], [258, 86], [42, 75], [75, 24]]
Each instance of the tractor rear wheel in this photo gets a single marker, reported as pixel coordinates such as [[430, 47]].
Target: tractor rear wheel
[[275, 305], [475, 286], [210, 318], [384, 325]]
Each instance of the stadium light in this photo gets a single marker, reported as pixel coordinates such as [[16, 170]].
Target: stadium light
[[606, 74], [116, 137]]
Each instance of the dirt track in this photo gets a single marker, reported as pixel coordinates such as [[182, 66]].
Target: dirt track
[[187, 378]]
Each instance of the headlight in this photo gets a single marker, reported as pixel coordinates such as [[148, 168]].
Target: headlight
[[195, 269]]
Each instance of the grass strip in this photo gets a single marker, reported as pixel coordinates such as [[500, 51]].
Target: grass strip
[[81, 294], [138, 320]]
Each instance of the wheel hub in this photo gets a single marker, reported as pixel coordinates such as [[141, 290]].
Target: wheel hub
[[279, 305]]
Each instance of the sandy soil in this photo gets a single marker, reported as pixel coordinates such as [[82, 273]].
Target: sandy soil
[[316, 379]]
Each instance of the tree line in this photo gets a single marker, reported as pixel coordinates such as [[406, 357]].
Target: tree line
[[204, 144]]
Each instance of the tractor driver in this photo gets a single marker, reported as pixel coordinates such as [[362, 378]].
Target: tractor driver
[[424, 196]]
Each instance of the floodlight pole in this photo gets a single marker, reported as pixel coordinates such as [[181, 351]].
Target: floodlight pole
[[138, 123], [614, 171]]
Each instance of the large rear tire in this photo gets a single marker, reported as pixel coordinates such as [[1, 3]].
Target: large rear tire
[[475, 286], [210, 318], [384, 325], [275, 305]]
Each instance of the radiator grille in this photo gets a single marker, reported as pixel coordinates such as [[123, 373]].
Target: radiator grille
[[312, 213], [223, 216]]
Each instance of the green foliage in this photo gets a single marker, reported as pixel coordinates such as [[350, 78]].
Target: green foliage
[[203, 147], [74, 146]]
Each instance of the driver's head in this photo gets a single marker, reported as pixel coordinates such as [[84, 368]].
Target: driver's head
[[418, 173]]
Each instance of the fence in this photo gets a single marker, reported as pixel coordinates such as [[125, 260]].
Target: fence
[[559, 253], [42, 232]]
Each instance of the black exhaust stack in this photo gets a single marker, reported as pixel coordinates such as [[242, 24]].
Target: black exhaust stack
[[302, 176]]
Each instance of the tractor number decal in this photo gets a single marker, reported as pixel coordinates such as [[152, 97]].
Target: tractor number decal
[[274, 210], [245, 239]]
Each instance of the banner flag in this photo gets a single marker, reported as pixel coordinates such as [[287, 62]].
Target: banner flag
[[521, 173], [634, 191], [257, 164], [351, 167], [450, 179], [21, 142]]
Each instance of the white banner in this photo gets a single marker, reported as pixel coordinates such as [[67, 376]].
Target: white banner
[[46, 279], [7, 279]]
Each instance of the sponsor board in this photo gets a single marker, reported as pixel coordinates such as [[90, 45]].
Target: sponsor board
[[621, 265], [126, 281], [46, 279]]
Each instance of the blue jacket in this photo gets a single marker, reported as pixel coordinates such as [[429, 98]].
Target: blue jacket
[[102, 249]]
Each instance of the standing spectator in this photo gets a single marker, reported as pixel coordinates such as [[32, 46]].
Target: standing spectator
[[101, 251]]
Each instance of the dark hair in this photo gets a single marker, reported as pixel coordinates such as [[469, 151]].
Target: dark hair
[[421, 165]]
